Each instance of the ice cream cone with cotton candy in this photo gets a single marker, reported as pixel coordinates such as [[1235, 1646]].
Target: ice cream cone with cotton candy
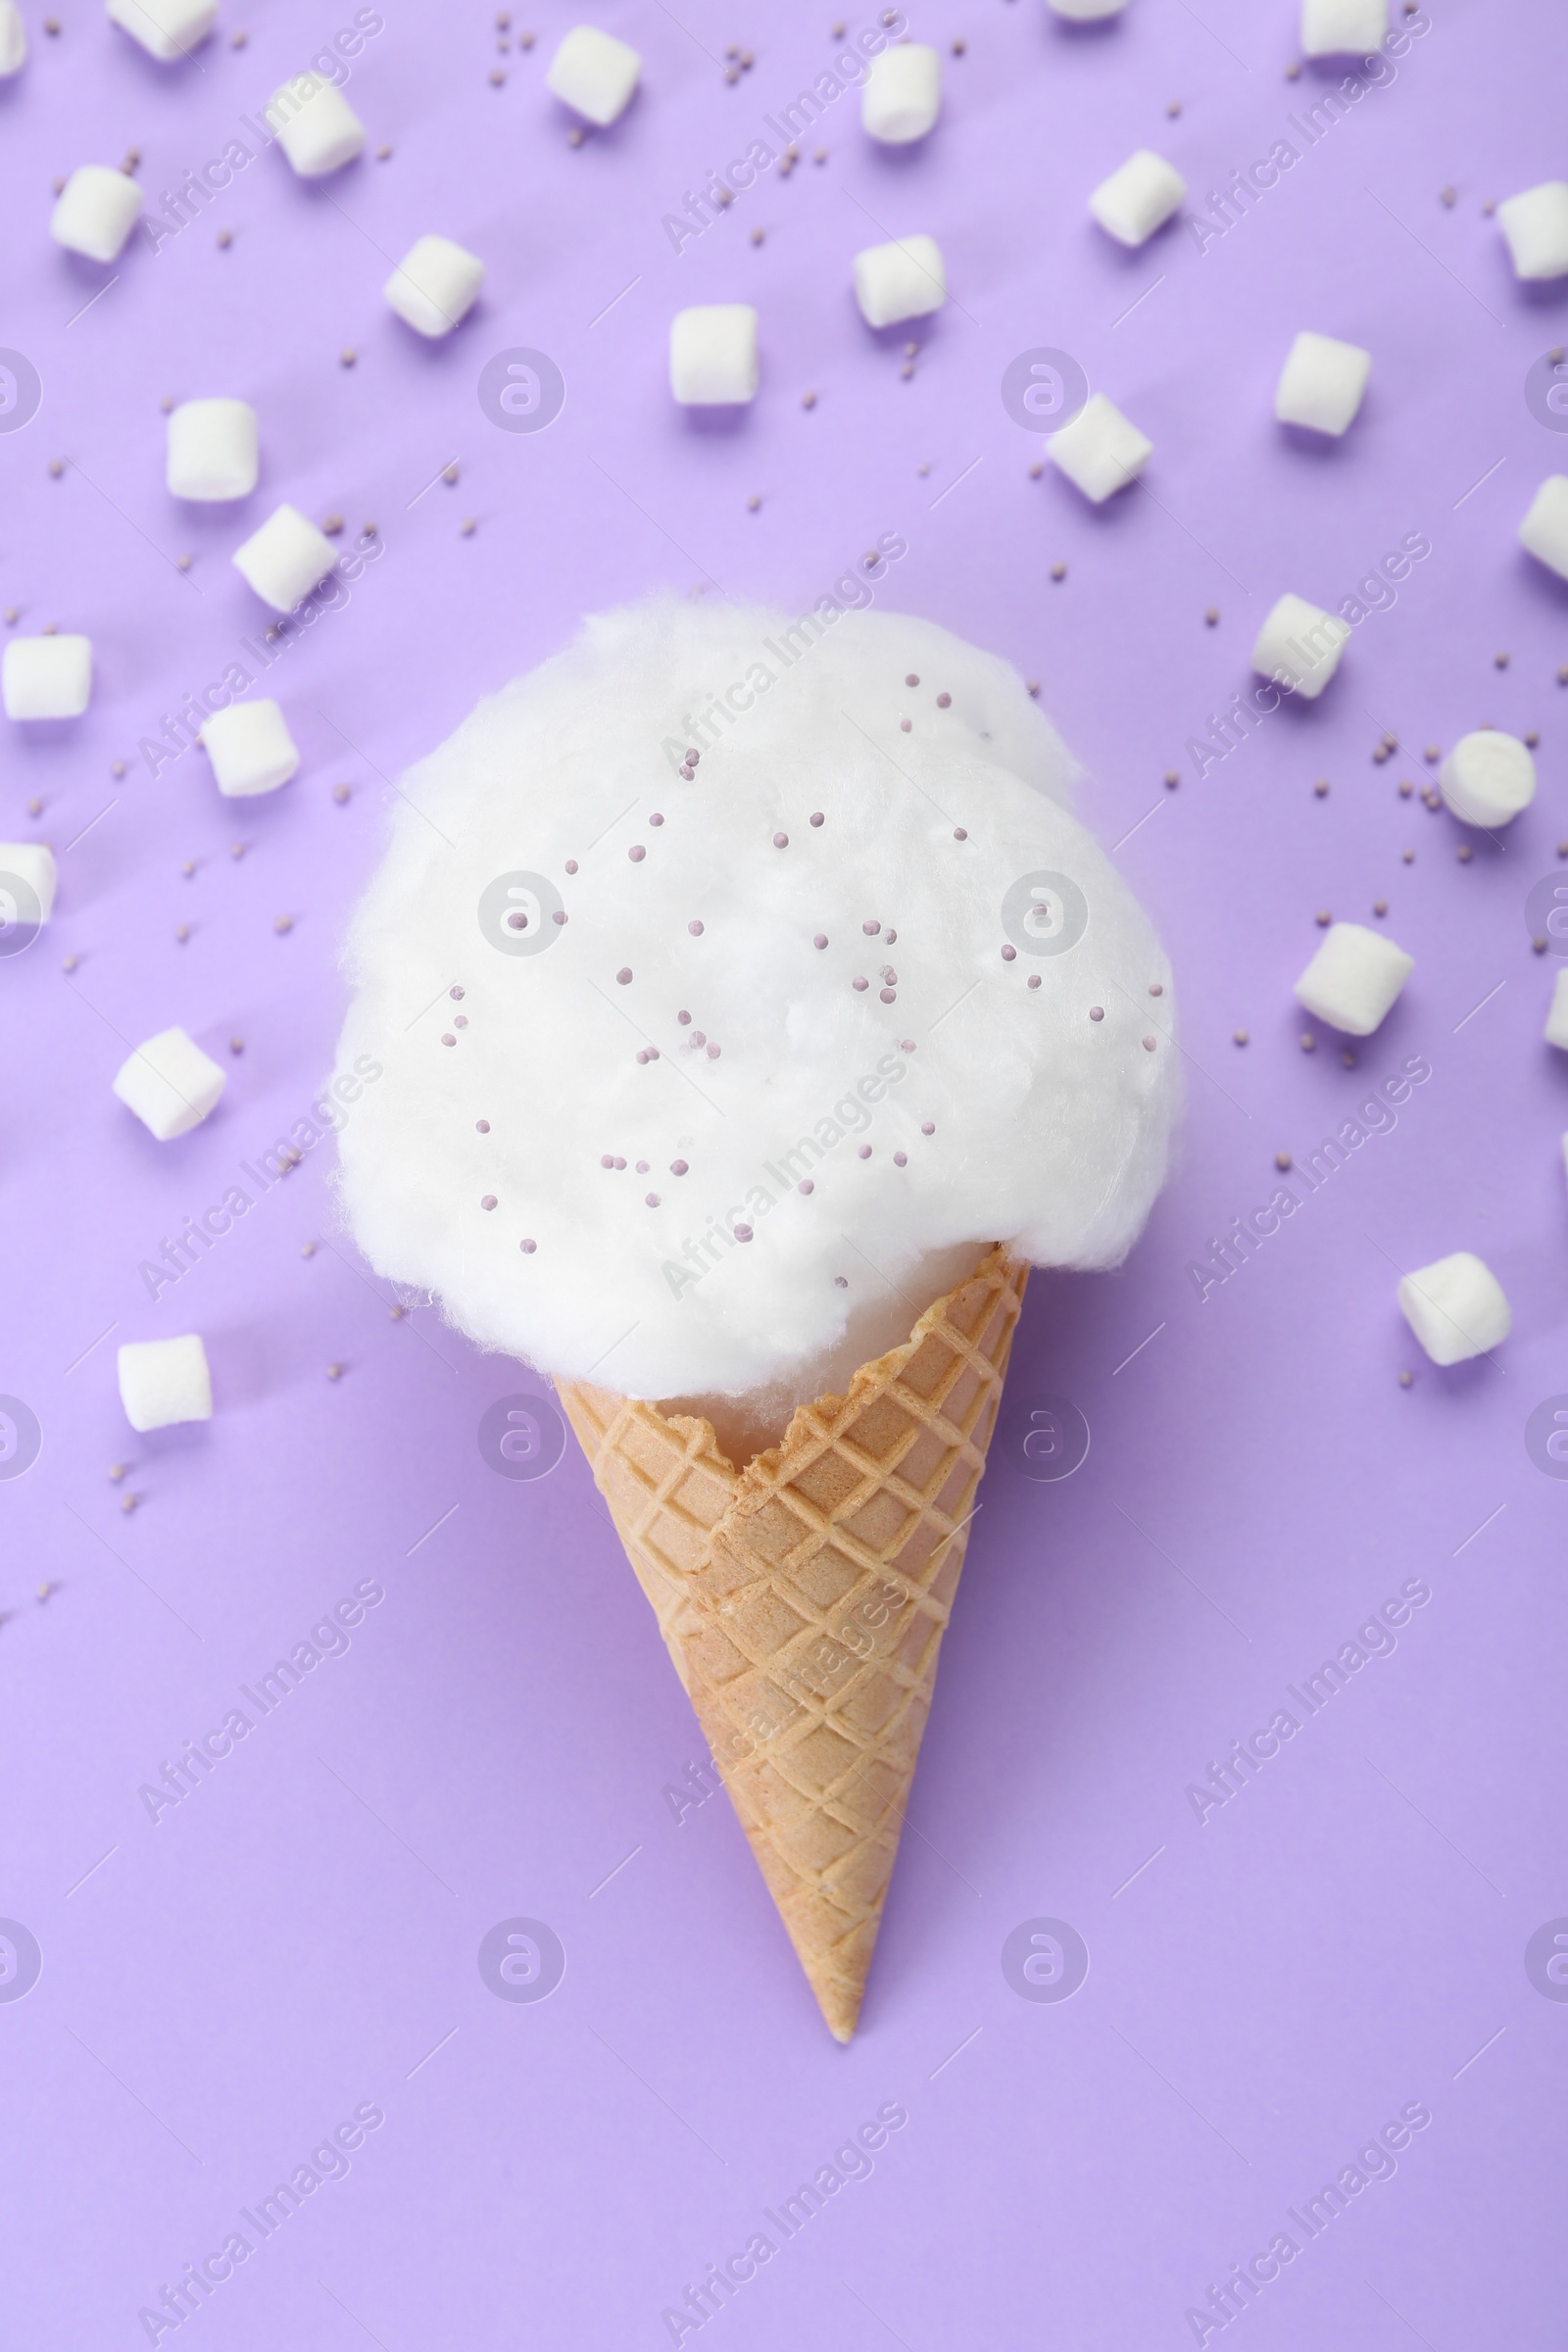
[[753, 1012]]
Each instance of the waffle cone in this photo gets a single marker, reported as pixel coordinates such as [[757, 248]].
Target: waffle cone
[[803, 1598]]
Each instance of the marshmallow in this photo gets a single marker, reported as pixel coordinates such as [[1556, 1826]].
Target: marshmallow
[[1536, 225], [166, 28], [95, 212], [1088, 12], [285, 558], [1543, 531], [594, 74], [434, 285], [713, 355], [1488, 777], [13, 39], [1139, 198], [1101, 451], [164, 1381], [316, 127], [46, 677], [1340, 28], [169, 1083], [1353, 979], [1301, 646], [1555, 1032], [250, 748], [903, 93], [27, 879], [1456, 1308], [1322, 383], [905, 279], [212, 449]]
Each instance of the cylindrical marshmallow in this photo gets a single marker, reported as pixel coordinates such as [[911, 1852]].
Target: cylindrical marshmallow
[[903, 93], [164, 1381], [285, 558], [212, 449], [1488, 777], [594, 74], [13, 39], [1557, 1029], [1102, 451], [1544, 533], [905, 279], [316, 127], [1457, 1307], [1301, 646], [713, 355], [1353, 979], [27, 881], [169, 1084], [46, 677], [95, 212], [1139, 198], [250, 748], [434, 285], [1535, 227], [1343, 27], [1088, 12], [1322, 383], [168, 29]]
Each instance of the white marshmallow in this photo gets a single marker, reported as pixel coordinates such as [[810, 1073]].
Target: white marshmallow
[[212, 449], [168, 29], [27, 881], [1557, 1029], [13, 39], [905, 279], [316, 127], [1322, 384], [1456, 1308], [285, 558], [713, 355], [164, 1381], [435, 285], [250, 748], [1536, 225], [1488, 777], [1088, 12], [1102, 451], [1343, 28], [1353, 979], [46, 677], [1544, 533], [1139, 198], [594, 74], [169, 1083], [95, 212], [1300, 644], [903, 93]]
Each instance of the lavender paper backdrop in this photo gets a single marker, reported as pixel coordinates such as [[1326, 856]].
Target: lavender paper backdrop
[[1344, 1939]]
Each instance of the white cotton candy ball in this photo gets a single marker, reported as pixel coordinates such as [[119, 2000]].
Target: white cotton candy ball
[[648, 1142]]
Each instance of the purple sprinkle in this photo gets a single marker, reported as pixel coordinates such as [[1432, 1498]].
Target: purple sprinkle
[[677, 1167], [959, 834], [1097, 1012], [912, 679], [742, 1233], [692, 756], [686, 774], [699, 1037], [606, 1161], [928, 1127], [1009, 954], [1034, 979], [806, 1185], [642, 1167], [448, 1039], [820, 941], [906, 727], [944, 701], [695, 930], [488, 1201], [712, 1053], [527, 1248], [889, 937], [457, 995], [516, 921], [905, 1045], [781, 840], [841, 1282], [637, 852], [643, 1054], [571, 865], [816, 817], [481, 1126], [653, 1053], [651, 1200], [685, 1019], [559, 915], [865, 1150], [620, 1163], [460, 1021], [655, 819], [901, 1159], [889, 996], [890, 975], [870, 929], [858, 984], [1155, 989], [624, 974], [1148, 1044]]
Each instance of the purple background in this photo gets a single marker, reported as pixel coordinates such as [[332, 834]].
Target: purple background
[[299, 1935]]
